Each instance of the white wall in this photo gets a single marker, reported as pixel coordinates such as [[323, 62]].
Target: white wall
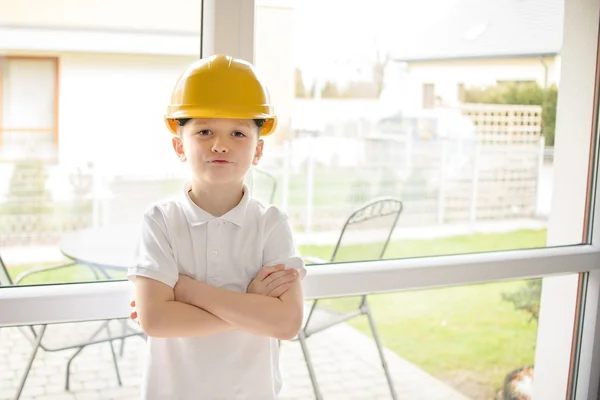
[[447, 75], [111, 111], [156, 15]]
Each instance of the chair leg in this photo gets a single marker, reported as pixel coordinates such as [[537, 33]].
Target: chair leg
[[105, 325], [380, 350], [36, 346], [68, 373], [123, 332], [114, 356], [309, 366]]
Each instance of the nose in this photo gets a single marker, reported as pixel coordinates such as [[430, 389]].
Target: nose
[[219, 145]]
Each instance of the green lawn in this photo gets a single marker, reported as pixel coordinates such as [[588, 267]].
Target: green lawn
[[467, 336], [462, 244], [74, 273]]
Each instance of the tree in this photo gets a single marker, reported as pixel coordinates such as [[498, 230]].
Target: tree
[[300, 90], [330, 90], [379, 68], [527, 298], [27, 193]]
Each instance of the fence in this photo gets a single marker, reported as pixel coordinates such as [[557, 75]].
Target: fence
[[318, 181], [440, 182], [497, 123]]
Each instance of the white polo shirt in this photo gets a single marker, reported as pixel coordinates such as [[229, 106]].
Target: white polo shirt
[[228, 251]]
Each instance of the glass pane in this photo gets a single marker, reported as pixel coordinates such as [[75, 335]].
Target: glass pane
[[442, 114], [460, 144], [103, 74], [442, 106], [473, 342]]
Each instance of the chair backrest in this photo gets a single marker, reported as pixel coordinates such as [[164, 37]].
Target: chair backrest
[[368, 230], [5, 279], [263, 184]]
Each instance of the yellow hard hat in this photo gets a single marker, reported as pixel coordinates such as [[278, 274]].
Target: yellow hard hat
[[221, 87]]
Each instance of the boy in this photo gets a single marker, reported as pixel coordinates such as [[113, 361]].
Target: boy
[[212, 290]]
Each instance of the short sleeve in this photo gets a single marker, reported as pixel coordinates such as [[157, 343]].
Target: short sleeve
[[154, 255], [280, 247]]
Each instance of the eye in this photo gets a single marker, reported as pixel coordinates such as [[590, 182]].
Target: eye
[[238, 134], [204, 132]]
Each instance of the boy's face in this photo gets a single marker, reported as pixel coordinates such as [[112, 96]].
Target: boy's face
[[219, 151]]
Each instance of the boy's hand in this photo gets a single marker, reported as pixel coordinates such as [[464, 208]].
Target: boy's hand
[[133, 314], [274, 280]]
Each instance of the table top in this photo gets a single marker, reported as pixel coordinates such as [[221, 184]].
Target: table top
[[108, 247]]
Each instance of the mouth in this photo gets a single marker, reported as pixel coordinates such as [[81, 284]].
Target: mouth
[[219, 162]]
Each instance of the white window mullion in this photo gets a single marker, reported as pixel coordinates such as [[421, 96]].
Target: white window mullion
[[228, 28], [588, 368], [573, 150], [100, 300]]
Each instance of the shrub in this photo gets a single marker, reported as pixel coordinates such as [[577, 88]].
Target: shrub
[[520, 93]]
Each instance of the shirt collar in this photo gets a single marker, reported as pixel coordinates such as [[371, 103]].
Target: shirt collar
[[197, 216]]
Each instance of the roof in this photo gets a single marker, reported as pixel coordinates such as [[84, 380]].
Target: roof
[[488, 29]]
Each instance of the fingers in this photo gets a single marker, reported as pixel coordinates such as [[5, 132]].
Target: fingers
[[133, 314], [277, 275], [268, 270], [285, 277], [279, 290]]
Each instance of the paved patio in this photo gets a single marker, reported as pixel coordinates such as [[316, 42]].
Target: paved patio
[[345, 360]]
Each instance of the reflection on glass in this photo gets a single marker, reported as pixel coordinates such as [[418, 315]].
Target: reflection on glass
[[470, 337], [82, 143], [449, 343], [464, 142], [433, 104]]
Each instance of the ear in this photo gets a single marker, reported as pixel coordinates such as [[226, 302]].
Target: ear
[[258, 152], [178, 147]]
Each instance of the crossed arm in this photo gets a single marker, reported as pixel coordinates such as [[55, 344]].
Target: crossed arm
[[273, 305], [195, 309]]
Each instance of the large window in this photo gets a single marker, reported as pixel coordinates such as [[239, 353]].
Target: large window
[[466, 215]]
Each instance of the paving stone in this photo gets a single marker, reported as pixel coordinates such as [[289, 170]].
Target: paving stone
[[96, 384], [55, 388], [89, 395], [346, 362], [32, 391], [59, 396], [120, 394], [7, 394]]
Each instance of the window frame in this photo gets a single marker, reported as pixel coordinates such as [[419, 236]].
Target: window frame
[[233, 33], [54, 128]]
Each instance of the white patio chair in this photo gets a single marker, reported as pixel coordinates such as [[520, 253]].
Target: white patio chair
[[36, 336], [378, 217]]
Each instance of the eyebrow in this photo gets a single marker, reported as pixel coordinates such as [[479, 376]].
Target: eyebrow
[[207, 124], [246, 126]]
